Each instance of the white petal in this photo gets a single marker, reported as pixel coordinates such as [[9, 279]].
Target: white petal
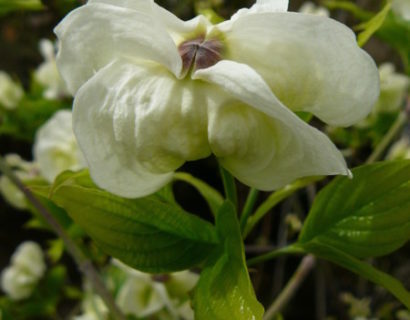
[[274, 146], [55, 148], [311, 63], [263, 6], [137, 124], [176, 27], [94, 35]]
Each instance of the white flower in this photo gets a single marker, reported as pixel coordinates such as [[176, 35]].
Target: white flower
[[393, 89], [400, 149], [10, 92], [24, 170], [26, 269], [55, 147], [140, 295], [401, 8], [311, 8], [47, 73], [152, 91], [93, 308]]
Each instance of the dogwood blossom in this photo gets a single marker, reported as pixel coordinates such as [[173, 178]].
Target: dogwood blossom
[[401, 8], [152, 91], [393, 89], [55, 147], [311, 8], [27, 267], [10, 92], [47, 73], [24, 170]]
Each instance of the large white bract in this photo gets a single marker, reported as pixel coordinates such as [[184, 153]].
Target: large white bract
[[141, 111]]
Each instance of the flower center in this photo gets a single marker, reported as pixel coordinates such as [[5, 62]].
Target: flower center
[[199, 53]]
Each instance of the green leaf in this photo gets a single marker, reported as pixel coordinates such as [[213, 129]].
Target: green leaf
[[224, 290], [7, 6], [396, 32], [366, 216], [361, 268], [149, 234], [348, 6], [371, 26], [29, 115], [212, 196]]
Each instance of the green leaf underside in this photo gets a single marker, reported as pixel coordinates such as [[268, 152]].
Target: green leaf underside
[[366, 216], [224, 290], [149, 234], [361, 268]]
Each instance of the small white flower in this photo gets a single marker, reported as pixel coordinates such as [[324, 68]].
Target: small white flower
[[26, 269], [310, 8], [140, 295], [93, 307], [400, 149], [47, 73], [152, 91], [401, 8], [24, 170], [10, 92], [393, 89], [55, 147]]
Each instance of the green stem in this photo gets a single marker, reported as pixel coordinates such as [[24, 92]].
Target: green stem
[[229, 187], [248, 207], [292, 249], [388, 138], [84, 264], [274, 199], [307, 264]]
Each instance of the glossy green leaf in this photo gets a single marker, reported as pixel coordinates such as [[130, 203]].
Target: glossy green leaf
[[224, 290], [366, 216], [149, 234]]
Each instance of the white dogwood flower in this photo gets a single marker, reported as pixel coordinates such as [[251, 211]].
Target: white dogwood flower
[[311, 8], [55, 147], [25, 171], [11, 92], [27, 267], [401, 8], [47, 73], [393, 89], [152, 91]]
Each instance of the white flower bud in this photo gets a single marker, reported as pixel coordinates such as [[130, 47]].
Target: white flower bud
[[55, 147], [10, 92], [400, 150], [401, 8], [311, 8], [47, 73], [393, 88], [26, 269]]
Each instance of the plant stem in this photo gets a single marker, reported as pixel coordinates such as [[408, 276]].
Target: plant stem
[[292, 249], [274, 199], [229, 187], [84, 264], [248, 207], [388, 138], [294, 283]]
